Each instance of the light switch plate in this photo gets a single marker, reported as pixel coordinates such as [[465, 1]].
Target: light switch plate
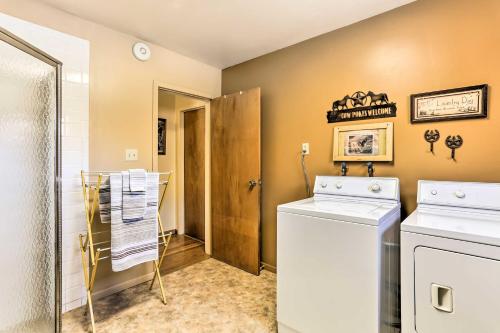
[[131, 155]]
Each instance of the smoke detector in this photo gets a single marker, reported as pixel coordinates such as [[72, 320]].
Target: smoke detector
[[141, 51]]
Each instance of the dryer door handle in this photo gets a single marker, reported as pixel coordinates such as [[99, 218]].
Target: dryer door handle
[[442, 297]]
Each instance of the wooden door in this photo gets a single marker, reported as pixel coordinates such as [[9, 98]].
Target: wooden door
[[235, 179], [194, 173]]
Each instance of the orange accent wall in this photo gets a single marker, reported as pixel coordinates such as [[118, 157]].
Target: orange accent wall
[[424, 46]]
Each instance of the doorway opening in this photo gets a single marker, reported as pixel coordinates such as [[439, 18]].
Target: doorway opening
[[229, 175], [181, 130]]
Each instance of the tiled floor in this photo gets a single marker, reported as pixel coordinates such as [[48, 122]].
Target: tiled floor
[[209, 296]]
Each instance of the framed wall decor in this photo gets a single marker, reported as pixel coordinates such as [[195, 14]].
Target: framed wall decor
[[162, 136], [361, 105], [451, 104], [366, 142]]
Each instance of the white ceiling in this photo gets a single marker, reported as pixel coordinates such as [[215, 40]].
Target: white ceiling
[[223, 33]]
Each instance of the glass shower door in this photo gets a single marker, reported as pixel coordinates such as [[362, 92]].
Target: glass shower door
[[29, 195]]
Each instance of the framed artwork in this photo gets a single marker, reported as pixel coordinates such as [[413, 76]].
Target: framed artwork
[[162, 136], [366, 142], [451, 104]]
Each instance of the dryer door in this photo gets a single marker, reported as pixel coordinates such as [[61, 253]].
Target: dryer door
[[455, 292]]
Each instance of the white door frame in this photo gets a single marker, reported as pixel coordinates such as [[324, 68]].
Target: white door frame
[[179, 159]]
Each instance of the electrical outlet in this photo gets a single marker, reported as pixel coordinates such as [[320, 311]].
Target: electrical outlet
[[131, 155], [305, 148]]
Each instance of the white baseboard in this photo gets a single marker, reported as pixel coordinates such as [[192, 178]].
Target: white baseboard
[[122, 286]]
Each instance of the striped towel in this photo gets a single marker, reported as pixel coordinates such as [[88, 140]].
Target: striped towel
[[133, 202], [136, 205], [105, 202], [133, 243], [137, 180]]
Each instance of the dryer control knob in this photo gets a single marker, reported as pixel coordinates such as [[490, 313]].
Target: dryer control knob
[[375, 188], [434, 192], [323, 185], [338, 186], [460, 194]]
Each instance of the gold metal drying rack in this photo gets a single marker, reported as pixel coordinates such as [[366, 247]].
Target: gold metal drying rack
[[87, 241]]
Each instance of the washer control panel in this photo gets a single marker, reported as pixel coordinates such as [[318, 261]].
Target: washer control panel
[[369, 187], [459, 194]]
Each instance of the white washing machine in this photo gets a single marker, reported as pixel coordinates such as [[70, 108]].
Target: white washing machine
[[450, 259], [338, 258]]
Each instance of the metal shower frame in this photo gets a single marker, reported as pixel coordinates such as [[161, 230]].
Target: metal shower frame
[[11, 39]]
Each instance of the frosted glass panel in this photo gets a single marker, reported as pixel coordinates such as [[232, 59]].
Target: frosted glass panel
[[27, 197]]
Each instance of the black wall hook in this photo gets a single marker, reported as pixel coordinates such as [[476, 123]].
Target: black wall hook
[[370, 169], [343, 169], [432, 136], [454, 142]]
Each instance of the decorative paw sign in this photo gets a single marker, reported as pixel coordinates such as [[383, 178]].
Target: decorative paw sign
[[361, 106]]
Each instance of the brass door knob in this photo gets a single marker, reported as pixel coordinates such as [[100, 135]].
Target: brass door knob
[[252, 183]]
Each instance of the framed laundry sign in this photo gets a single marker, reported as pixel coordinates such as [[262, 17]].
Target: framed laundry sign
[[366, 142], [451, 104]]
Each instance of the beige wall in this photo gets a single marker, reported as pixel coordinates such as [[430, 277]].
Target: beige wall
[[121, 97], [424, 46], [121, 88]]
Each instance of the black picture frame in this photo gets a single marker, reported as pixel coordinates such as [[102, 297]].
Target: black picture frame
[[482, 106], [162, 136]]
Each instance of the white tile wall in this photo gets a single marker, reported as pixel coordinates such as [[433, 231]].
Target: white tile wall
[[73, 52]]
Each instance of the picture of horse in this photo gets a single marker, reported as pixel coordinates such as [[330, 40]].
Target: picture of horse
[[361, 143]]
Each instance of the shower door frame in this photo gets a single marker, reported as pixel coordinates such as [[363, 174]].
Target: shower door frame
[[26, 47]]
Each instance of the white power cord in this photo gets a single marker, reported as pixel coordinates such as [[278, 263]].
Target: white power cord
[[304, 171]]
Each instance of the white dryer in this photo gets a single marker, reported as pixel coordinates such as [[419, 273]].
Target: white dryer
[[450, 259], [338, 258]]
